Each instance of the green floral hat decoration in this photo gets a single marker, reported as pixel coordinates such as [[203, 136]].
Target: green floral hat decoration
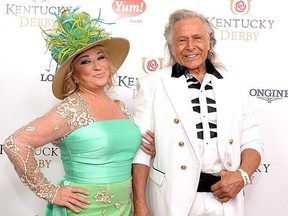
[[74, 33]]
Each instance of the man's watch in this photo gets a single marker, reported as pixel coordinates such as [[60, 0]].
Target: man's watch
[[245, 177]]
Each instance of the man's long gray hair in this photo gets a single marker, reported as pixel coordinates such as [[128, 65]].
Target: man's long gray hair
[[185, 14]]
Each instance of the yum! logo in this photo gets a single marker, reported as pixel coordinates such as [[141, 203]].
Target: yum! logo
[[128, 8]]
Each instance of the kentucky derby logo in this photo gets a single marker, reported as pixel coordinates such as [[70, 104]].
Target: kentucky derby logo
[[151, 65], [240, 7]]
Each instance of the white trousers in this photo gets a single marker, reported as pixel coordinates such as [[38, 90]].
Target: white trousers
[[205, 204]]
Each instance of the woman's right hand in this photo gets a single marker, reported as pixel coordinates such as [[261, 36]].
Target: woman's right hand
[[71, 198]]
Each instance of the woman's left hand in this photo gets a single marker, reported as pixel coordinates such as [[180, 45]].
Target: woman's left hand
[[148, 143]]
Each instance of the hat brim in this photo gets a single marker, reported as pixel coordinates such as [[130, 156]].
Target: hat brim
[[117, 50]]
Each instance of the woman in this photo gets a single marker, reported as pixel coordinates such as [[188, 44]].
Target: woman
[[94, 133]]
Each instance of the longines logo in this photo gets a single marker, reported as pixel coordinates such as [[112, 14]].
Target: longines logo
[[46, 77], [269, 95]]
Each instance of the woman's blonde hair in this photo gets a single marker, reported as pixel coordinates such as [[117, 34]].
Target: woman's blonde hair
[[70, 84]]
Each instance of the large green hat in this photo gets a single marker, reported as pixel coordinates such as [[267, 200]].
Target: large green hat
[[74, 33]]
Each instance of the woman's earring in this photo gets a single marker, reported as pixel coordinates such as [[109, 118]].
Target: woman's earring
[[76, 80]]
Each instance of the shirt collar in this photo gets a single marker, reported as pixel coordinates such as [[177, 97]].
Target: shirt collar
[[178, 70]]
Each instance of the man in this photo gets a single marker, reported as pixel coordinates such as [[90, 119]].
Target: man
[[206, 139]]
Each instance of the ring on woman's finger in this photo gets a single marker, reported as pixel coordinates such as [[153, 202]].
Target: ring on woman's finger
[[152, 149]]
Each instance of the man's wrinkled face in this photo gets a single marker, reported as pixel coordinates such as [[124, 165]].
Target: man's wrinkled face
[[190, 43]]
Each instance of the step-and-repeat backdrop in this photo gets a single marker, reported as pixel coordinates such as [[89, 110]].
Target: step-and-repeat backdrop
[[252, 41]]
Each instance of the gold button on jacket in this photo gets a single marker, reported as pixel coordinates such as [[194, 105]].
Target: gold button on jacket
[[183, 167]]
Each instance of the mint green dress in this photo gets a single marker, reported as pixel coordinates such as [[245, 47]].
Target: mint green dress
[[98, 158]]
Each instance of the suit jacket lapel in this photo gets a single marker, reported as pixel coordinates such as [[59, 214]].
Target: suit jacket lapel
[[225, 111], [178, 93]]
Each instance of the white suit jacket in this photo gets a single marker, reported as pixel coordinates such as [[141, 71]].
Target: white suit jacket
[[162, 105]]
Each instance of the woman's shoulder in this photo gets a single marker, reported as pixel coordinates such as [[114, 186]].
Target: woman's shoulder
[[123, 108], [73, 97], [73, 103], [74, 100]]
